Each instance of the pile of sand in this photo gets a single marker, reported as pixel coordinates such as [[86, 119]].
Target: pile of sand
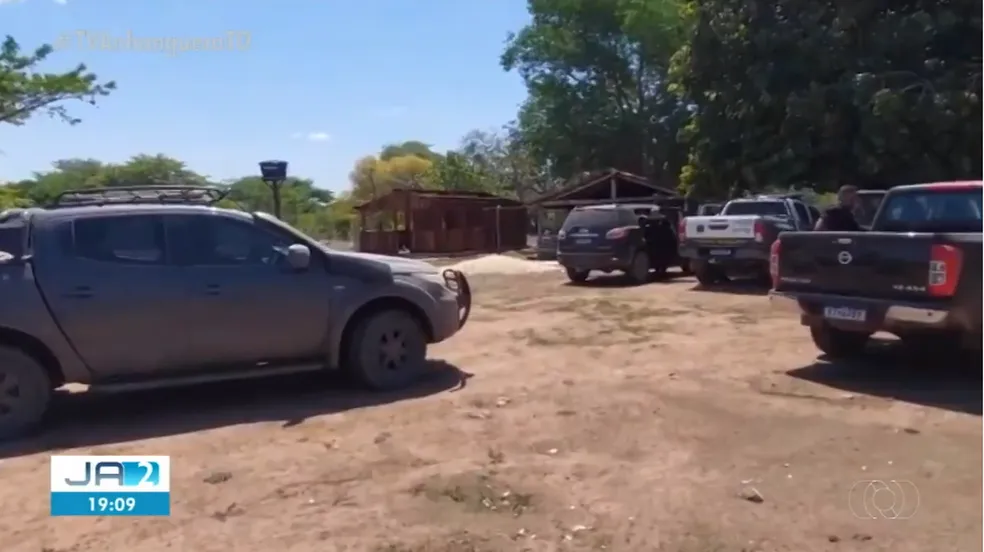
[[504, 264]]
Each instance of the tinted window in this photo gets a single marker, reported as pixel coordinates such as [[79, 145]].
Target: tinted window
[[867, 206], [215, 240], [938, 210], [12, 239], [123, 239], [599, 218], [802, 212], [772, 208]]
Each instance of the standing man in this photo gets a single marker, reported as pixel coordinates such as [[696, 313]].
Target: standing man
[[840, 217]]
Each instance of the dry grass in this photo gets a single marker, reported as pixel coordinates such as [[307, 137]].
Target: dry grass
[[596, 418]]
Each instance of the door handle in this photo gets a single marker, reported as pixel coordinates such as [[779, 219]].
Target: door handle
[[79, 292]]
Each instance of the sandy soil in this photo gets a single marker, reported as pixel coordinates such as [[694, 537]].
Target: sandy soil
[[562, 418]]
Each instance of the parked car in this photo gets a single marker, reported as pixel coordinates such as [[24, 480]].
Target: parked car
[[150, 286], [737, 241], [631, 238], [916, 274]]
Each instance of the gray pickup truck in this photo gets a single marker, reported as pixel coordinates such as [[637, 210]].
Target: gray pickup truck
[[149, 286]]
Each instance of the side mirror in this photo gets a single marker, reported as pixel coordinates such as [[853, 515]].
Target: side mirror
[[299, 256]]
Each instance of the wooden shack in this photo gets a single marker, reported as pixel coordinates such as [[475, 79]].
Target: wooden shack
[[439, 222]]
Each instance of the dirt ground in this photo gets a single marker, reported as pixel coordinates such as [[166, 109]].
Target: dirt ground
[[602, 417]]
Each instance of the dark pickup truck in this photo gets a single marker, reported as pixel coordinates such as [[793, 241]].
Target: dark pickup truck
[[915, 274]]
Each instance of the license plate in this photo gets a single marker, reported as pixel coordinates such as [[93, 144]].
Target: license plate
[[845, 313], [720, 252], [582, 242]]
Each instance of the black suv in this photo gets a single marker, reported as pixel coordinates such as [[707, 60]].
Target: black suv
[[629, 238]]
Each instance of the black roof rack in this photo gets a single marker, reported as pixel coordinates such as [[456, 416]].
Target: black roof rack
[[204, 195]]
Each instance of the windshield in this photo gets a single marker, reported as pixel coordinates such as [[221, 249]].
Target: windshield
[[282, 227], [953, 210], [770, 208]]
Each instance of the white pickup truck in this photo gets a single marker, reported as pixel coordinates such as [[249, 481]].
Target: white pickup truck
[[737, 240]]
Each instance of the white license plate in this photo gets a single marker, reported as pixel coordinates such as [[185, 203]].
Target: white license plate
[[845, 313], [721, 252], [582, 242]]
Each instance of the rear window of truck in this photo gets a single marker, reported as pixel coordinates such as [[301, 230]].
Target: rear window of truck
[[762, 208], [867, 206], [941, 210], [599, 218]]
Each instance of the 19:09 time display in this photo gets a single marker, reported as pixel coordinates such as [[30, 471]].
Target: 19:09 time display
[[118, 504]]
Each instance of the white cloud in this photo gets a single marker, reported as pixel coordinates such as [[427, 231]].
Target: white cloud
[[314, 136]]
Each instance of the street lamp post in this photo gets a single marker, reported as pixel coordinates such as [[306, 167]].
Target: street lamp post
[[274, 174]]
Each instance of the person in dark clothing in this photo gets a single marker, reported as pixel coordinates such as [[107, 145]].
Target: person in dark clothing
[[840, 217]]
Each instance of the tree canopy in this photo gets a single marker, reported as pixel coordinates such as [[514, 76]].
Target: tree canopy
[[596, 73], [26, 91], [818, 94]]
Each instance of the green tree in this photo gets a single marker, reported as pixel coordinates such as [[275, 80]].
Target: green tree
[[151, 170], [410, 147], [800, 93], [454, 171], [304, 204], [596, 73], [26, 91]]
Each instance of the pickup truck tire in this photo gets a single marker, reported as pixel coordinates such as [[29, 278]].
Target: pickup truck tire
[[25, 393], [388, 350], [639, 268], [685, 268], [577, 276], [839, 344], [708, 275]]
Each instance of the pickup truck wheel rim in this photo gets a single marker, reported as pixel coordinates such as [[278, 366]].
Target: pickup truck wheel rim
[[10, 393], [392, 350]]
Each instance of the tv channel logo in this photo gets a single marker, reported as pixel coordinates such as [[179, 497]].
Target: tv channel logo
[[110, 485]]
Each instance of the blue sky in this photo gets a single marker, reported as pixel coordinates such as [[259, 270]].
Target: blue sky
[[320, 84]]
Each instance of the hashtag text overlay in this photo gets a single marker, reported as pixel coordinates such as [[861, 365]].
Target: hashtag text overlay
[[104, 41]]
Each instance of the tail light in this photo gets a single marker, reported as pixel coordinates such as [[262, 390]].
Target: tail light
[[774, 263], [682, 229], [945, 262], [561, 235], [617, 233], [759, 230]]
